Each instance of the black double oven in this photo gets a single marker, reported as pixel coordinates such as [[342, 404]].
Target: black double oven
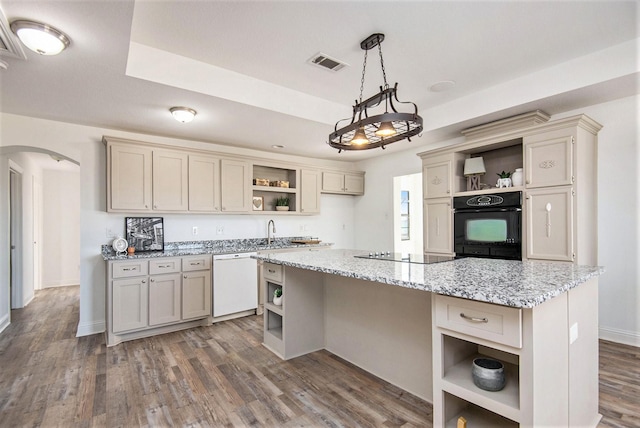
[[488, 226]]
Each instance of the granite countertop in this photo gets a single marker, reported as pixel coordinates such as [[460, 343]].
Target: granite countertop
[[520, 284], [222, 246]]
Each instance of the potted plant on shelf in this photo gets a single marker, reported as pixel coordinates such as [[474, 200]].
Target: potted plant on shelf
[[282, 204], [277, 297], [504, 180]]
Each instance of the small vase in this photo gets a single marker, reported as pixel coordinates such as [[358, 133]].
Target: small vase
[[516, 177], [504, 182], [277, 300], [282, 208], [131, 250]]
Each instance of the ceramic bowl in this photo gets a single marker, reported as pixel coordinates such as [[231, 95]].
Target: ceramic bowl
[[488, 374]]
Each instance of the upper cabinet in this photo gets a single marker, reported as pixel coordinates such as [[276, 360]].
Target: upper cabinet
[[129, 178], [343, 183], [149, 178], [309, 191], [170, 181], [204, 183], [549, 161], [235, 193]]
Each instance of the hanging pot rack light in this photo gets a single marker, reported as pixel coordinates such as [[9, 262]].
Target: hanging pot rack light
[[368, 131]]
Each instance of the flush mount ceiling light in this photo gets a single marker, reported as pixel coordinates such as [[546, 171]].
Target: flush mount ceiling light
[[183, 114], [368, 131], [40, 38]]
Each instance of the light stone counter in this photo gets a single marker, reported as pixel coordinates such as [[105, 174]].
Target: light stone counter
[[520, 284]]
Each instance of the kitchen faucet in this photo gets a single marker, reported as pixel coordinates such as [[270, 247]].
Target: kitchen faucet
[[271, 223]]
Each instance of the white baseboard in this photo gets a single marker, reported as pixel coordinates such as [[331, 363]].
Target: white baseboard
[[4, 322], [620, 336], [88, 329], [64, 283], [29, 300]]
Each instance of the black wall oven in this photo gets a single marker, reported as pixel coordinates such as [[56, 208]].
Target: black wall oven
[[488, 226]]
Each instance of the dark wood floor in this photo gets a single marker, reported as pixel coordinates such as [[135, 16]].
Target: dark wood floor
[[216, 376]]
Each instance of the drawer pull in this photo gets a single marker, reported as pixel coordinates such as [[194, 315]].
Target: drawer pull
[[163, 266], [473, 319], [129, 269], [271, 270], [195, 263]]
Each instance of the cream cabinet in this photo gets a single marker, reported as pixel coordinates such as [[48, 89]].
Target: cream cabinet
[[550, 217], [438, 230], [130, 178], [551, 377], [204, 183], [549, 161], [343, 183], [170, 181], [129, 302], [158, 295], [235, 188], [309, 191], [164, 299], [196, 286]]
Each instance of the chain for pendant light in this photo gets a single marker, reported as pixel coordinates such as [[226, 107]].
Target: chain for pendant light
[[364, 67]]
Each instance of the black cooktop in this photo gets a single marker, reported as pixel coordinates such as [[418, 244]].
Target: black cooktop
[[405, 257]]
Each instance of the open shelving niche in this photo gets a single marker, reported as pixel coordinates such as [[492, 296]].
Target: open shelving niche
[[273, 320], [269, 194], [463, 398], [498, 157]]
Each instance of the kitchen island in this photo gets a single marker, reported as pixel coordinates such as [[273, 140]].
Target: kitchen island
[[420, 326]]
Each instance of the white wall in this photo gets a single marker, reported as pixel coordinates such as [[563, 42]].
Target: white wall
[[84, 144], [618, 211], [61, 231]]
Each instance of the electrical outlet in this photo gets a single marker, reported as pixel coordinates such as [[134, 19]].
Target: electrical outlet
[[194, 230], [109, 233], [220, 230]]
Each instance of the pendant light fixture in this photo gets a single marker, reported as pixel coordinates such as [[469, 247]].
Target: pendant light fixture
[[367, 130], [40, 38]]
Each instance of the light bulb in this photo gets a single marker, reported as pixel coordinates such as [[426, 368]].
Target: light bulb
[[386, 129], [360, 138]]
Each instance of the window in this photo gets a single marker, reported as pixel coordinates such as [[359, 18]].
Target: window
[[405, 224]]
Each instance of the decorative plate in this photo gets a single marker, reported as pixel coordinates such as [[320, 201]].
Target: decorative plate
[[119, 245]]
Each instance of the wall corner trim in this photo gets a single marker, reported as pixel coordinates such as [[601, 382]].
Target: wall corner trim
[[87, 329]]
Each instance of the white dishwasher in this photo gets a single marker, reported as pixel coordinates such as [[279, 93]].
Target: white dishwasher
[[235, 283]]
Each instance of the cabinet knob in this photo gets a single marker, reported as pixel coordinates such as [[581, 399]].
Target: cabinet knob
[[448, 191], [224, 209], [144, 281], [146, 206], [185, 277], [528, 181], [152, 280]]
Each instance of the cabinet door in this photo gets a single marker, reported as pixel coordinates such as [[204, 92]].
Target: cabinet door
[[235, 190], [333, 182], [354, 184], [130, 178], [437, 178], [196, 294], [550, 224], [129, 304], [204, 184], [164, 299], [170, 181], [309, 191], [549, 162], [438, 233]]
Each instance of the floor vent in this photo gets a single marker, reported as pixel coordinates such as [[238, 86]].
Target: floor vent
[[325, 61]]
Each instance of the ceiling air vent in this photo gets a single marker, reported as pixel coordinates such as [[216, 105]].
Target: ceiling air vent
[[325, 61]]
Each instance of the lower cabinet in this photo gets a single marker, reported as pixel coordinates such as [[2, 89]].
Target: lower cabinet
[[438, 230], [550, 223], [550, 378], [147, 297]]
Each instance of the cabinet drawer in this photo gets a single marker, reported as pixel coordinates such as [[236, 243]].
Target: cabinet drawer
[[272, 272], [129, 268], [196, 263], [164, 266], [496, 323]]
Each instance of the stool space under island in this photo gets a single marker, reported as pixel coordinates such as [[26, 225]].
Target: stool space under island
[[419, 327]]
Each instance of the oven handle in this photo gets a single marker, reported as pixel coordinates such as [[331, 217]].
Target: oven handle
[[490, 210]]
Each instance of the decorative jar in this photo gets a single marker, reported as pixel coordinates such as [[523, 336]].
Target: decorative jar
[[516, 177]]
